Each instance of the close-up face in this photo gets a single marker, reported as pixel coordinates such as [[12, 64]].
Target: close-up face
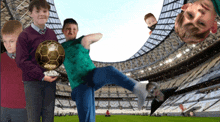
[[40, 16], [9, 41], [155, 91], [151, 21], [70, 31], [200, 14]]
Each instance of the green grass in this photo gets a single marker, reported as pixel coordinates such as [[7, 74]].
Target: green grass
[[138, 118]]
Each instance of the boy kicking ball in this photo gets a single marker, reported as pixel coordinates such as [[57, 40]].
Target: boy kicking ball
[[85, 78]]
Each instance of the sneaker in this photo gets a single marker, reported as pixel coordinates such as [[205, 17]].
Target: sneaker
[[154, 90], [141, 92]]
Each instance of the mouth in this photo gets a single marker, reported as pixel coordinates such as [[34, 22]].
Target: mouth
[[42, 17]]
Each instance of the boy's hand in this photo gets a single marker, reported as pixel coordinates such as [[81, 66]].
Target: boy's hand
[[49, 78]]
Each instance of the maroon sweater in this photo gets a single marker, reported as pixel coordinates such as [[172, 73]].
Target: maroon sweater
[[12, 87], [27, 43]]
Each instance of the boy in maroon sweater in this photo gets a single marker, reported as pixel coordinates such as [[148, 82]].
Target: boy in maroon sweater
[[39, 89], [12, 89]]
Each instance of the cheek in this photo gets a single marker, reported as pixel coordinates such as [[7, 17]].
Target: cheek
[[66, 32], [13, 45], [5, 45]]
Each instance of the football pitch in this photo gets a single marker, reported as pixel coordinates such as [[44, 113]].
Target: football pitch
[[138, 118]]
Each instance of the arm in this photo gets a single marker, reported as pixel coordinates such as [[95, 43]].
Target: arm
[[23, 61], [89, 39]]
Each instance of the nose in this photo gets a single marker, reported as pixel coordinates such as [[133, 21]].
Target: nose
[[199, 14], [202, 11], [9, 44], [70, 31], [41, 13]]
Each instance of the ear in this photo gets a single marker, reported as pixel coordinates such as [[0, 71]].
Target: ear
[[185, 6], [30, 14], [214, 27]]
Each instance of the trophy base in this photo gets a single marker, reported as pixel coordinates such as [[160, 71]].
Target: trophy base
[[51, 73]]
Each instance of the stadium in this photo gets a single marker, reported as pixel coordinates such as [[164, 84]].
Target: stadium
[[192, 70]]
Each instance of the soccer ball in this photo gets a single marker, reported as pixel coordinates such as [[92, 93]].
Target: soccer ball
[[50, 54]]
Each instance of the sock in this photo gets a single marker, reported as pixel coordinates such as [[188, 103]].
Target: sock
[[140, 91]]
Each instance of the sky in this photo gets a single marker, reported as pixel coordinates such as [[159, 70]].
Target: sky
[[120, 21]]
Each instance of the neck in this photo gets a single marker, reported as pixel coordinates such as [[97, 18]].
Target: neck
[[11, 53], [67, 39], [40, 26]]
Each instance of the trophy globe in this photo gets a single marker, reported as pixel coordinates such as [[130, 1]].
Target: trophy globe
[[50, 55]]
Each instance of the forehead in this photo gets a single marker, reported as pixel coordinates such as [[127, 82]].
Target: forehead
[[8, 37], [70, 25], [150, 18], [39, 9]]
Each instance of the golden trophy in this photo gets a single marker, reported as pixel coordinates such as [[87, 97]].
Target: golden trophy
[[50, 55]]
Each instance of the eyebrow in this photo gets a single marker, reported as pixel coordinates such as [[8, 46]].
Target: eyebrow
[[8, 40]]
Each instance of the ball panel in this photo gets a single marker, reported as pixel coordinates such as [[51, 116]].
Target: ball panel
[[61, 50], [44, 50], [51, 65], [52, 55], [44, 59], [60, 59]]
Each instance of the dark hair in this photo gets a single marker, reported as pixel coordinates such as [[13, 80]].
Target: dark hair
[[185, 32], [151, 84], [69, 21], [38, 4], [148, 15]]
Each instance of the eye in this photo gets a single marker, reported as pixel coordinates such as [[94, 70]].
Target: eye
[[190, 15], [201, 23]]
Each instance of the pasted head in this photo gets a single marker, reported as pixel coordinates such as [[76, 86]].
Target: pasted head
[[196, 21], [150, 20], [70, 28], [39, 11], [10, 32]]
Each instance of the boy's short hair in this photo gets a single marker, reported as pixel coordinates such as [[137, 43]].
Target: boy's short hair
[[191, 32], [38, 4], [148, 15], [69, 21], [11, 27]]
